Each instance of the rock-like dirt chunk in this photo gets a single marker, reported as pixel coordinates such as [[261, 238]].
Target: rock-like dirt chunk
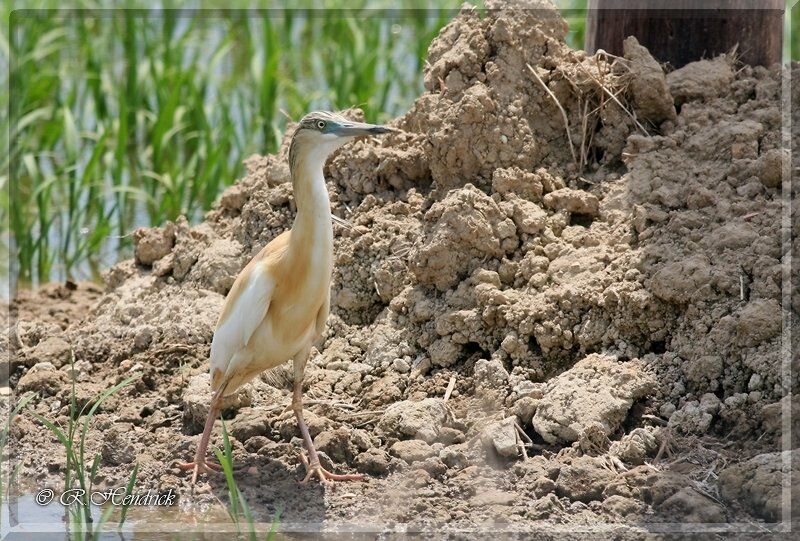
[[598, 388]]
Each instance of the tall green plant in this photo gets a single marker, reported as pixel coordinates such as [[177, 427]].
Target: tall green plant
[[126, 120], [238, 509], [78, 471], [4, 432]]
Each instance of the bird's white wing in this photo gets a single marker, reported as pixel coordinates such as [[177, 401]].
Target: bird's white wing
[[244, 311]]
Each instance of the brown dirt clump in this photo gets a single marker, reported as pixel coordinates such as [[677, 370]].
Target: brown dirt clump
[[604, 306]]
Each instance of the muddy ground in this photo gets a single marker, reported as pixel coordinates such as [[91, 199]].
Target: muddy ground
[[606, 307]]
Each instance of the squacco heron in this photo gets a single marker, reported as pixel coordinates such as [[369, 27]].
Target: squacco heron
[[279, 304]]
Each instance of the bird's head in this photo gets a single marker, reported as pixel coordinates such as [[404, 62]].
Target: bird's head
[[320, 133]]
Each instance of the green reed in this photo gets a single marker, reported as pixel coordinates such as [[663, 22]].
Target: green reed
[[79, 472], [238, 509], [127, 118], [5, 491]]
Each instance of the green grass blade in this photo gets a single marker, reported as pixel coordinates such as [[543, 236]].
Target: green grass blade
[[128, 491]]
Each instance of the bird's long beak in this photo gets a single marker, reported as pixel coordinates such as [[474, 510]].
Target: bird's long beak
[[356, 129]]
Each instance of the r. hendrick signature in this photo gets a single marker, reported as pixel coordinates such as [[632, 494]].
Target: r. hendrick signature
[[115, 496]]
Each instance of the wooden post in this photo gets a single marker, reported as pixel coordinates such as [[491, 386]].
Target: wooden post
[[682, 31]]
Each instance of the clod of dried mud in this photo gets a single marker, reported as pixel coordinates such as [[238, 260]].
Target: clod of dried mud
[[602, 317]]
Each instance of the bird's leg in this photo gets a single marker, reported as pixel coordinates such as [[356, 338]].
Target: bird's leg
[[200, 464], [312, 464]]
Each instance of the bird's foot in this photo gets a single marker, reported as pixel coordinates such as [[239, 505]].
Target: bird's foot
[[199, 467], [325, 477]]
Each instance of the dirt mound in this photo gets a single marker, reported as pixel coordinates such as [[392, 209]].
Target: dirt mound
[[586, 251]]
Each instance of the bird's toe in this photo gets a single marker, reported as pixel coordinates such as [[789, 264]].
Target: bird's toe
[[201, 467], [325, 477]]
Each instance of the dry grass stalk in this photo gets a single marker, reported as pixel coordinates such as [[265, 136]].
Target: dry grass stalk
[[450, 386], [611, 94], [560, 108]]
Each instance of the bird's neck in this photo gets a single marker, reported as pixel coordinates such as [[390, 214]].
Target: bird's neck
[[312, 225]]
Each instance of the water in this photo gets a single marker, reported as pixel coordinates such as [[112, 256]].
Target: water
[[24, 519]]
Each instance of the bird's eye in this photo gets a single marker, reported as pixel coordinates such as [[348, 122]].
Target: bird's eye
[[321, 124]]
